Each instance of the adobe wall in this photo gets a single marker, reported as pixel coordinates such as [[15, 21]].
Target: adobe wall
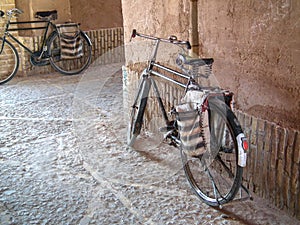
[[160, 18], [255, 44], [96, 14], [92, 15], [30, 7], [256, 47]]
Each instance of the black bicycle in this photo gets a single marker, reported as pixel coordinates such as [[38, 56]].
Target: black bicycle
[[213, 146], [50, 50]]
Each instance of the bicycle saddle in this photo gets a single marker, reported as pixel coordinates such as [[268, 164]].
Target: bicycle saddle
[[50, 15], [185, 59]]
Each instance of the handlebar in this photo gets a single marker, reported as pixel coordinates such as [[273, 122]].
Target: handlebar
[[172, 39], [14, 11], [11, 12]]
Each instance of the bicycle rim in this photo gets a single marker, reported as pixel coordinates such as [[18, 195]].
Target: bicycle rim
[[216, 176], [9, 61], [69, 66]]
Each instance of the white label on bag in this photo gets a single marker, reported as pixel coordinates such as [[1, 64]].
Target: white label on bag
[[242, 154]]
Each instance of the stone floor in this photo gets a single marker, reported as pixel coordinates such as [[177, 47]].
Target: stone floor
[[63, 160]]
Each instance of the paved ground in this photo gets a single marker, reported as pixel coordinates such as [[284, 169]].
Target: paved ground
[[63, 160]]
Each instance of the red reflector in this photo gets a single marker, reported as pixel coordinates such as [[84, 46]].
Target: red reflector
[[245, 144]]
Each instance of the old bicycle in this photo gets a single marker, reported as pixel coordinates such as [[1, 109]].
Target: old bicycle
[[208, 124], [67, 54]]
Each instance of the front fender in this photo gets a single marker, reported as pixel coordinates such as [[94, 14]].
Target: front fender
[[87, 37]]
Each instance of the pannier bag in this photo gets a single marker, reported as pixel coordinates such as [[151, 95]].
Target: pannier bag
[[70, 41], [192, 119]]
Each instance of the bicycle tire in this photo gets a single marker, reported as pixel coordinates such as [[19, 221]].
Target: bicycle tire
[[69, 66], [137, 111], [9, 61], [215, 177]]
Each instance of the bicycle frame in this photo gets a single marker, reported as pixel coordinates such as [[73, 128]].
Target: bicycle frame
[[151, 71], [8, 34]]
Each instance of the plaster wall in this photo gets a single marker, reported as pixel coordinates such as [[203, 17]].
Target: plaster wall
[[256, 47], [30, 7], [96, 14], [92, 14]]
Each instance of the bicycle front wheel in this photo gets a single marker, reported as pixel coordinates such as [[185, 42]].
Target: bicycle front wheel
[[137, 111], [69, 66], [216, 176], [9, 61]]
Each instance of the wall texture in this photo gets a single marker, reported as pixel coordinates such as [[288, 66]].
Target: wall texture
[[30, 7], [256, 47], [255, 44], [96, 14], [160, 18]]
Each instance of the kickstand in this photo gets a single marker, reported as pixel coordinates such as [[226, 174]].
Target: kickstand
[[249, 196]]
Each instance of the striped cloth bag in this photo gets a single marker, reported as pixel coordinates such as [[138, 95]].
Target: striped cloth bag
[[70, 41], [192, 120]]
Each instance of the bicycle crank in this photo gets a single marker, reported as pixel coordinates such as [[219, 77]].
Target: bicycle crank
[[35, 59]]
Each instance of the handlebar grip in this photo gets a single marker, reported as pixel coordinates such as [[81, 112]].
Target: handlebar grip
[[188, 45], [19, 11]]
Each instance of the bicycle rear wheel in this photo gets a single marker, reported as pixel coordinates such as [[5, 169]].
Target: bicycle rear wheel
[[137, 111], [68, 66], [216, 176], [9, 61]]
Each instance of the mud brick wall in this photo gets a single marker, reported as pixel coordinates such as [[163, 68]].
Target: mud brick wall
[[108, 45], [107, 48], [273, 166]]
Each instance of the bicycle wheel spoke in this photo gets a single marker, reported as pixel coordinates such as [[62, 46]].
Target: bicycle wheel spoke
[[230, 173], [217, 193]]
